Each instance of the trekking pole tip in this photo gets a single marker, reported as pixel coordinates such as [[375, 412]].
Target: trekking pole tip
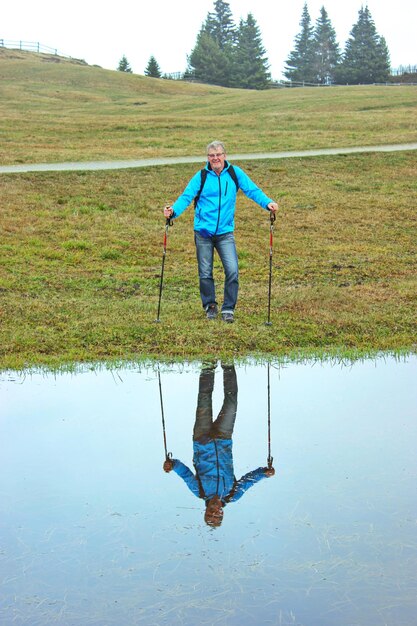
[[268, 323]]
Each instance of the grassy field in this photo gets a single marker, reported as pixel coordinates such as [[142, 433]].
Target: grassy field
[[60, 111], [81, 252]]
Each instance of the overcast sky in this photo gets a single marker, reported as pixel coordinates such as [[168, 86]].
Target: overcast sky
[[100, 33]]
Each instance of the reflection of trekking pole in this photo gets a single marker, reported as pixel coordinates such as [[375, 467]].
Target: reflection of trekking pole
[[270, 459], [271, 239], [167, 225], [168, 455]]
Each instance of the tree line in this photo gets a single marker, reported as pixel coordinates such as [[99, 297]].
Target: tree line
[[317, 58], [233, 55]]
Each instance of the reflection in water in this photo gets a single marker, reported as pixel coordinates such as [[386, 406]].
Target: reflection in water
[[214, 480], [94, 533]]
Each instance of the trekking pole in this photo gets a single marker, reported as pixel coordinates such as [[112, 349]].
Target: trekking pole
[[168, 455], [168, 223], [270, 459], [271, 240]]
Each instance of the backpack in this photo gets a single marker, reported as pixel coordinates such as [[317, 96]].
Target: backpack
[[231, 171]]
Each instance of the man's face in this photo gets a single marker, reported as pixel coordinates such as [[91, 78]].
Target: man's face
[[214, 512], [216, 158]]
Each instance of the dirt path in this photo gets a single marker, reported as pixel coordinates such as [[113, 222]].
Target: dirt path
[[117, 165]]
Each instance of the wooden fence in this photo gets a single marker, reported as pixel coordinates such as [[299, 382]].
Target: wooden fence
[[404, 69], [28, 46]]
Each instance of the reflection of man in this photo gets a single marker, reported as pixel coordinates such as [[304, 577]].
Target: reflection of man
[[214, 479]]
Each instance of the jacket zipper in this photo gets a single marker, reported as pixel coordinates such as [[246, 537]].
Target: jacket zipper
[[220, 203], [218, 468]]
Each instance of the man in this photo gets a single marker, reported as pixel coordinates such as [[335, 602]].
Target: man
[[215, 203], [214, 480]]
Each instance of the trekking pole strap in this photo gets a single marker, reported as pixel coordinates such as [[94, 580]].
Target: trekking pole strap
[[272, 218], [168, 223]]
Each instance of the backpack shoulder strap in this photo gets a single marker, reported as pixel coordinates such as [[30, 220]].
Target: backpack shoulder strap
[[203, 180], [232, 173]]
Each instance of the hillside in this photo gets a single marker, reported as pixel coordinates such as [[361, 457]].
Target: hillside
[[55, 109]]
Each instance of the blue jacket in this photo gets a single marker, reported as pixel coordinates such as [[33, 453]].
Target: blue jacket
[[213, 462], [215, 211]]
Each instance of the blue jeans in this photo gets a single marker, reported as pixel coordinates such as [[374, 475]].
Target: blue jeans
[[205, 429], [226, 248]]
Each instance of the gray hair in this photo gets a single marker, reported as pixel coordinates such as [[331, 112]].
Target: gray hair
[[216, 144]]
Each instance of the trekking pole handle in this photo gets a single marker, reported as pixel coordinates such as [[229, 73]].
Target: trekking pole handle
[[169, 221]]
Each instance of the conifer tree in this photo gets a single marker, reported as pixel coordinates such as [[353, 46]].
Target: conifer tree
[[300, 63], [250, 67], [383, 64], [224, 55], [326, 49], [152, 69], [366, 56], [207, 63], [221, 26], [210, 61], [124, 65]]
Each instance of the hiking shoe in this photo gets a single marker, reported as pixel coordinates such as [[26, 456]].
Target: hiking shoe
[[211, 311], [228, 317]]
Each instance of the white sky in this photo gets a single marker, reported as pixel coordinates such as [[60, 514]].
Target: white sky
[[100, 33]]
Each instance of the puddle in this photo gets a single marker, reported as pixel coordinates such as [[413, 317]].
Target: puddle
[[93, 531]]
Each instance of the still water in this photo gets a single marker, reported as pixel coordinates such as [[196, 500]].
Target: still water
[[317, 488]]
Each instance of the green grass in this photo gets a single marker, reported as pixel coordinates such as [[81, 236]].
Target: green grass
[[81, 257], [62, 111]]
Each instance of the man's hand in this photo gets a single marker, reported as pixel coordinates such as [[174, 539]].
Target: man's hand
[[273, 206], [168, 211], [168, 465], [269, 471]]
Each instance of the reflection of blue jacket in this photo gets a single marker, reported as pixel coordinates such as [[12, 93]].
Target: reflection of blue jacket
[[213, 463], [215, 210]]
